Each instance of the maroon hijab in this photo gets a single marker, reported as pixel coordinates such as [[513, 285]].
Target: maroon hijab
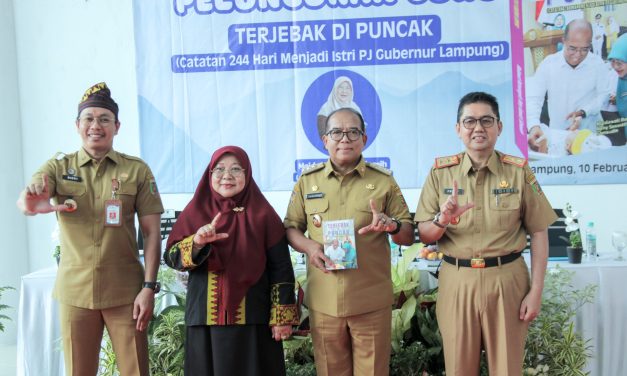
[[241, 257]]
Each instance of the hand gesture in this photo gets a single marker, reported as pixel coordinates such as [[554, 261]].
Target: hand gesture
[[575, 119], [537, 140], [207, 233], [35, 199], [380, 222], [317, 258], [450, 209]]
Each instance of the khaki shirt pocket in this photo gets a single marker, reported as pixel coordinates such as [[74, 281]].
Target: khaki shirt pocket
[[75, 191], [127, 194], [318, 208], [507, 211]]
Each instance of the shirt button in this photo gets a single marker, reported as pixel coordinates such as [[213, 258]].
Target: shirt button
[[505, 204], [477, 230], [479, 182], [478, 207], [98, 197]]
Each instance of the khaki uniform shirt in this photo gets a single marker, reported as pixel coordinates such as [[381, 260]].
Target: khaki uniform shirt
[[509, 204], [353, 291], [100, 265]]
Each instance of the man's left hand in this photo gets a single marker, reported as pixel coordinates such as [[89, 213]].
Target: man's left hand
[[143, 307], [380, 222], [530, 306]]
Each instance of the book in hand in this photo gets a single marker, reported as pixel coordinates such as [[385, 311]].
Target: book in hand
[[339, 244]]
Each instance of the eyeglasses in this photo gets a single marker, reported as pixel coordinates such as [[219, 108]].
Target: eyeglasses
[[338, 135], [219, 172], [486, 122], [581, 50], [103, 121]]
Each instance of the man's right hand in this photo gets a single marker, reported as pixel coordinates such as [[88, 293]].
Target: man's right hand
[[35, 199], [537, 140], [450, 209]]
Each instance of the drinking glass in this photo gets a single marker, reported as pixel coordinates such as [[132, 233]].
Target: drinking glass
[[619, 241]]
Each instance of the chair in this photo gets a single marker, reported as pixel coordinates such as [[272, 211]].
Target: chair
[[168, 218], [558, 237]]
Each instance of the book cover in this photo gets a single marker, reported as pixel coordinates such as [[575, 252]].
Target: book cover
[[339, 244]]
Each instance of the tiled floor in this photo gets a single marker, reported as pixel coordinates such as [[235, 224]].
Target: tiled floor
[[7, 360]]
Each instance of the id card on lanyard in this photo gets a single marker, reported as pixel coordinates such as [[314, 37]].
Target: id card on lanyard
[[113, 207]]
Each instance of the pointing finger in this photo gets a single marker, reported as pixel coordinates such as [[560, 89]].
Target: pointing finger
[[454, 193], [216, 219], [373, 207]]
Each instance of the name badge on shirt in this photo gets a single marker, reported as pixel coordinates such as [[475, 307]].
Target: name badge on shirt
[[449, 191], [500, 191], [309, 196], [74, 178], [113, 211]]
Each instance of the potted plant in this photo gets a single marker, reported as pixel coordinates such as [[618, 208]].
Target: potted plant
[[4, 307], [575, 250]]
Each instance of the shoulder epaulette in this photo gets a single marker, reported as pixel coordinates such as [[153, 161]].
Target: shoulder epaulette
[[131, 157], [312, 168], [378, 167], [448, 161], [61, 155], [516, 161]]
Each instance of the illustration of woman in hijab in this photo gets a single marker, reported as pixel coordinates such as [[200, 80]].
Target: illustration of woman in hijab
[[340, 97]]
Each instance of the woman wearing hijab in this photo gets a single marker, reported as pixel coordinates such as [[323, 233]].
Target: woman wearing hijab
[[240, 294], [618, 60], [340, 97]]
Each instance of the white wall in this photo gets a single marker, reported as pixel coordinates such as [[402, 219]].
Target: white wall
[[13, 224], [63, 47]]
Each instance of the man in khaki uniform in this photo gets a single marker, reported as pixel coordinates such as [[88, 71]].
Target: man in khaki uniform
[[101, 281], [479, 206], [350, 310]]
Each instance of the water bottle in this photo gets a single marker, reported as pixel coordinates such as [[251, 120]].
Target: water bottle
[[591, 241]]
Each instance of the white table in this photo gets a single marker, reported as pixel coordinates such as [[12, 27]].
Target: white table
[[39, 346], [604, 322], [39, 349]]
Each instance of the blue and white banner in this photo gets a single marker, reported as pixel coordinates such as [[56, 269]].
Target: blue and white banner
[[262, 74]]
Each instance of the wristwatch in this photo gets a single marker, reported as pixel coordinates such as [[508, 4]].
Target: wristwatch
[[436, 221], [398, 226], [154, 286]]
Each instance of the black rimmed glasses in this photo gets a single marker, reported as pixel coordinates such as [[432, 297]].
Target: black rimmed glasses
[[235, 172], [352, 134], [103, 121], [485, 121]]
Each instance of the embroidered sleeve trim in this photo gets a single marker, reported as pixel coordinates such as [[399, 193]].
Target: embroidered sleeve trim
[[282, 314], [185, 247]]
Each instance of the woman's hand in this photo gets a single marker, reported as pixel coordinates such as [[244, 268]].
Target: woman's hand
[[281, 332], [207, 233]]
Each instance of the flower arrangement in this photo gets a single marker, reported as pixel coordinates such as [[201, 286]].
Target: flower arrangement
[[572, 226]]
